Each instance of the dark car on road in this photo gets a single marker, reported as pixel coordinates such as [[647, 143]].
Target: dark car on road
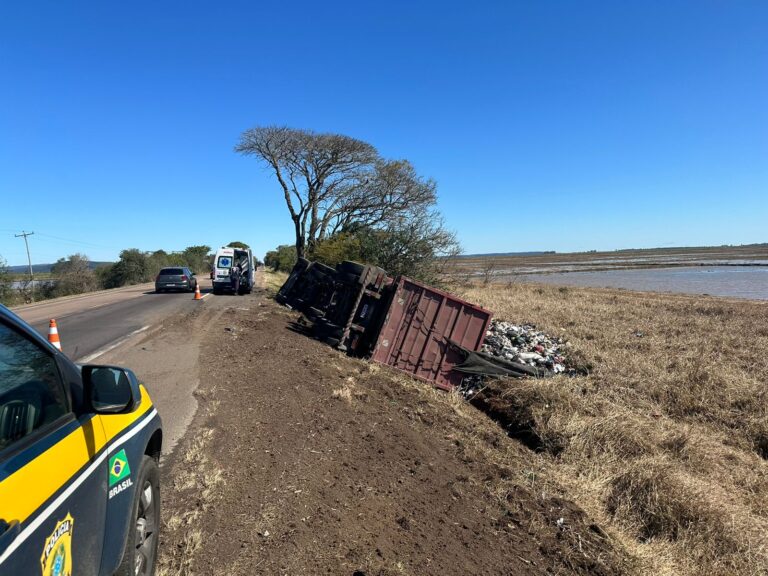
[[177, 278]]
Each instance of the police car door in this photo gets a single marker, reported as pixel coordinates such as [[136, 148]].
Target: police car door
[[53, 469]]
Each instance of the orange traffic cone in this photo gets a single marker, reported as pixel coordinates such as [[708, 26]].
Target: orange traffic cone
[[197, 292], [53, 334]]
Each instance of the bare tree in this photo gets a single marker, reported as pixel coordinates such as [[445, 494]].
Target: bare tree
[[392, 192], [311, 168], [488, 270], [419, 246], [332, 183]]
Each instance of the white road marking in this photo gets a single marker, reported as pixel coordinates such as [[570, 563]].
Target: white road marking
[[91, 357], [204, 296]]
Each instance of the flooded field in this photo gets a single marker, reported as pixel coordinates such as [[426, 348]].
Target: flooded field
[[731, 271], [731, 281]]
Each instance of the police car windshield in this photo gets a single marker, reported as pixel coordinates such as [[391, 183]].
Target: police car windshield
[[224, 262]]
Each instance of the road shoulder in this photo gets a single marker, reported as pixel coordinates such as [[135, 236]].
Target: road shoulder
[[165, 359]]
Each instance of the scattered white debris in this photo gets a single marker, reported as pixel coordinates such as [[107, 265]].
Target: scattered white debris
[[524, 344]]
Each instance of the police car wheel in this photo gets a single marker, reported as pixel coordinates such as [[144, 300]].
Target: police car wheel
[[143, 534]]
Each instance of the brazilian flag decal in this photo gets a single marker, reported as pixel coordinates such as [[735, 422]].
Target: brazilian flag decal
[[118, 467]]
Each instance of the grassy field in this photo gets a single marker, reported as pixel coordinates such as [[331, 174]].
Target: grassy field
[[666, 440]]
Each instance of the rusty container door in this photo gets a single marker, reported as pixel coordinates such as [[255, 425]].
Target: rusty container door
[[418, 325]]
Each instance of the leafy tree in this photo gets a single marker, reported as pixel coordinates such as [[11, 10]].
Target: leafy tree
[[337, 248], [282, 258], [156, 261], [132, 268], [196, 258], [73, 275], [270, 259], [238, 244]]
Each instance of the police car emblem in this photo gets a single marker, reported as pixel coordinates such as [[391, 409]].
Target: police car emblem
[[56, 559]]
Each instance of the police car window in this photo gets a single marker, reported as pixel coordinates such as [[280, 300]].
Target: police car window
[[31, 394], [224, 262]]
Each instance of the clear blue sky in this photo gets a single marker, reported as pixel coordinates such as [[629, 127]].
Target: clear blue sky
[[548, 125]]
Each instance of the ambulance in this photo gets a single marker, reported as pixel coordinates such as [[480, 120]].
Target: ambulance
[[225, 258]]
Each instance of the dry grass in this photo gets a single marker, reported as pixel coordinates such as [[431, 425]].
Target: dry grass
[[274, 280], [199, 482], [348, 390], [666, 439]]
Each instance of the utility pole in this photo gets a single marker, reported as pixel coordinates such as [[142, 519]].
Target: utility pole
[[29, 260]]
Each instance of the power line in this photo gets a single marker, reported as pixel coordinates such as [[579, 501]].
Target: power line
[[29, 259], [77, 242]]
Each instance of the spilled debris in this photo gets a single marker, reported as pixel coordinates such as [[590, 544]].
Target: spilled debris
[[512, 350], [526, 345]]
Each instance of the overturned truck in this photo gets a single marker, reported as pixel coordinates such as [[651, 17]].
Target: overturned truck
[[400, 322]]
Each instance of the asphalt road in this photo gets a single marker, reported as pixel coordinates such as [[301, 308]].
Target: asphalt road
[[92, 323], [107, 327]]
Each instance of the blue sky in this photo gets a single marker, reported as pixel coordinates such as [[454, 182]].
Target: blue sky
[[555, 125]]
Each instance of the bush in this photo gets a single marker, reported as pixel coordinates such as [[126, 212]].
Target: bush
[[132, 268], [196, 258], [282, 259], [6, 283], [73, 276], [337, 249]]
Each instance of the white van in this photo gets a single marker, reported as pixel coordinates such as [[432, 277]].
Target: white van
[[225, 258]]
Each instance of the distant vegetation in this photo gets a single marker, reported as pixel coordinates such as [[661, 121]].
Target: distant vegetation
[[43, 269], [77, 274]]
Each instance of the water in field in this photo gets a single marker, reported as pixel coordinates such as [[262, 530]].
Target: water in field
[[731, 281], [17, 285]]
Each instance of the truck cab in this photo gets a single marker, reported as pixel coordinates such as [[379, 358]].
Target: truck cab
[[226, 257]]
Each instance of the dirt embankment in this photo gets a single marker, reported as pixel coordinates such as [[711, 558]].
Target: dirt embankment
[[303, 461]]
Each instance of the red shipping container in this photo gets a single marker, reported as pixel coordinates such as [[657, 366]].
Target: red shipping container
[[418, 325]]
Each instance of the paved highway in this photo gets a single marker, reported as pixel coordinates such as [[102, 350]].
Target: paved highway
[[92, 323], [106, 327]]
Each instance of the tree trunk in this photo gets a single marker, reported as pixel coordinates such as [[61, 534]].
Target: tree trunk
[[299, 238]]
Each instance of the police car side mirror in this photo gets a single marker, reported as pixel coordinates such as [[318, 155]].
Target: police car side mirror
[[111, 389]]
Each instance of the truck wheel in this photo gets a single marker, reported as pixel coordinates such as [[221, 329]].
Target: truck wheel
[[140, 549]]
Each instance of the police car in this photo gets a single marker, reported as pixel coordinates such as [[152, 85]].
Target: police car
[[79, 451]]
